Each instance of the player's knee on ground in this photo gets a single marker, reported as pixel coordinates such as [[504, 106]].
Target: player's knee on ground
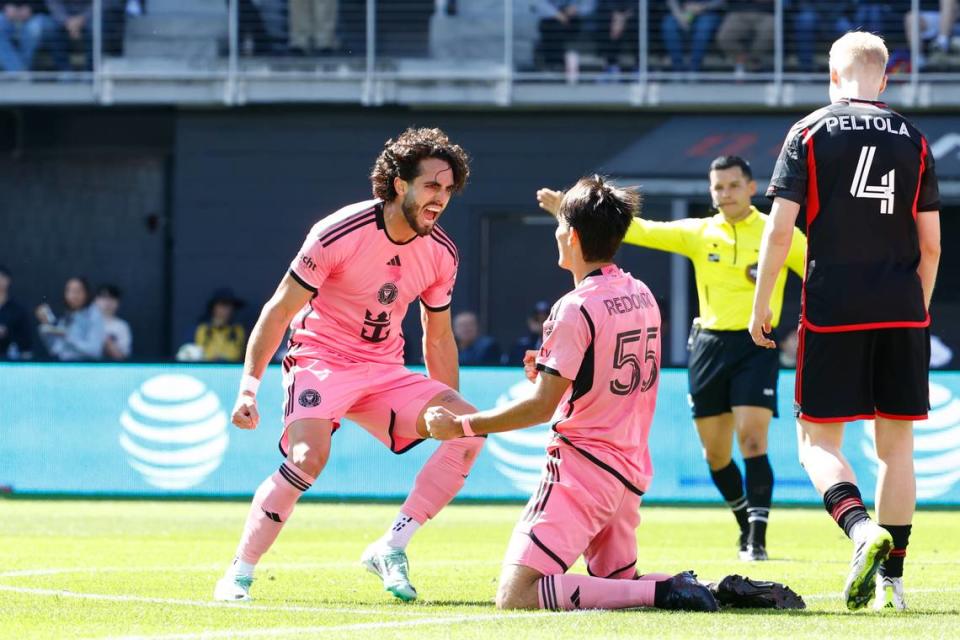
[[518, 588]]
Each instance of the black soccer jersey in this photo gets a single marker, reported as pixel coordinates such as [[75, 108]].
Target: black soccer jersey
[[864, 172]]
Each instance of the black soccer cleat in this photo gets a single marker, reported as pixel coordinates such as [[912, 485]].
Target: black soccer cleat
[[683, 592], [754, 553], [738, 591]]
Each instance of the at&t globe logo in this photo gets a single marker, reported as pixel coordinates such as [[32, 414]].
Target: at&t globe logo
[[520, 454], [936, 444], [174, 431]]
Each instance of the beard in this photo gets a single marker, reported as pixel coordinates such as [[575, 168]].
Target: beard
[[410, 209]]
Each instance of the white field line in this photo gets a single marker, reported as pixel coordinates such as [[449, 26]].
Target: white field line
[[210, 604], [839, 596], [279, 566], [362, 626]]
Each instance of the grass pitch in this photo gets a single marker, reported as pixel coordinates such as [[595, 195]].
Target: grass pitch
[[79, 569]]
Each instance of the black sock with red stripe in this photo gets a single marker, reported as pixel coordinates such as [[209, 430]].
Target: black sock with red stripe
[[845, 506], [892, 567]]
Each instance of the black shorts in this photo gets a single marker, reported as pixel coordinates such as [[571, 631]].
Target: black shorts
[[727, 370], [858, 375]]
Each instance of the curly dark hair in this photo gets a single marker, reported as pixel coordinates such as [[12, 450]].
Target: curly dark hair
[[401, 158]]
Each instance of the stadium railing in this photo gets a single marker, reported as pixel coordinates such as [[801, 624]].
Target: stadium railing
[[616, 52]]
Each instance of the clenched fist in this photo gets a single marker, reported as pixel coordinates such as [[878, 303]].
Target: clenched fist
[[442, 424], [245, 414]]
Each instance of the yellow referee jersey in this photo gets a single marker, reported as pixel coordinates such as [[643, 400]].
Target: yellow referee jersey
[[725, 258]]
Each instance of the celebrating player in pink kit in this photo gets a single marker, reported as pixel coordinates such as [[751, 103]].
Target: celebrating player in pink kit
[[596, 375], [344, 299]]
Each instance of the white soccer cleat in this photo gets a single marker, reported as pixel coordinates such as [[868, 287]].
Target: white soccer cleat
[[890, 595], [872, 544], [391, 566], [233, 589]]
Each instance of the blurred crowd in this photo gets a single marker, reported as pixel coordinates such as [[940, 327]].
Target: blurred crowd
[[684, 35]]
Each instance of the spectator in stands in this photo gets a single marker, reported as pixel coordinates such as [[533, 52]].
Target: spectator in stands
[[534, 336], [474, 348], [79, 333], [15, 329], [22, 27], [693, 22], [812, 18], [73, 30], [746, 34], [218, 334], [119, 341], [616, 31], [263, 26], [561, 25], [817, 22], [938, 26], [313, 25]]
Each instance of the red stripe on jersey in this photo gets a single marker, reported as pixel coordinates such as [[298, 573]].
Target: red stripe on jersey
[[797, 386], [923, 165], [897, 324], [813, 194]]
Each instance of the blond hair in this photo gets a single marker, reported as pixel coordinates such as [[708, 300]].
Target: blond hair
[[858, 52]]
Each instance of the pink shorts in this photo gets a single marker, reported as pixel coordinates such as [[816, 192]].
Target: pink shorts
[[384, 399], [579, 509]]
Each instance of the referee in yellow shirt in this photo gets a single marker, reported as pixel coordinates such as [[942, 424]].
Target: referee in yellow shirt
[[733, 382]]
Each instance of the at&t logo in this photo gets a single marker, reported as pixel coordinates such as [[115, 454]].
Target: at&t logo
[[174, 431], [936, 445], [520, 455]]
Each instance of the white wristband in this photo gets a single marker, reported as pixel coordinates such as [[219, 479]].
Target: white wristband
[[249, 384]]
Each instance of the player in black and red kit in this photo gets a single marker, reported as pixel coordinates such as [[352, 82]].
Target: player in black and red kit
[[866, 176]]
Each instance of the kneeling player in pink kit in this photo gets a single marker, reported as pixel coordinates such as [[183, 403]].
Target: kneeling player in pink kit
[[344, 299], [596, 375]]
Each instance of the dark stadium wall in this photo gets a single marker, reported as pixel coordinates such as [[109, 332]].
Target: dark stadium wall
[[83, 192]]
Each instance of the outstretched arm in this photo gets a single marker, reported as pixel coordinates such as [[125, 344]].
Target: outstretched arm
[[534, 409]]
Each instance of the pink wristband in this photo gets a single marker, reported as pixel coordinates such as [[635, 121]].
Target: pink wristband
[[465, 425]]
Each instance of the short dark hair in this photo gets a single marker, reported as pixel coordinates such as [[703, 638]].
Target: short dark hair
[[109, 290], [600, 213], [729, 162], [401, 158]]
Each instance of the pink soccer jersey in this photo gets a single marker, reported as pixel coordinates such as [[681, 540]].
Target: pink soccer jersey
[[363, 281], [605, 336]]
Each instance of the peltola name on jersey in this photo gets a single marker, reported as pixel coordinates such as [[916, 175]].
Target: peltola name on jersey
[[864, 123]]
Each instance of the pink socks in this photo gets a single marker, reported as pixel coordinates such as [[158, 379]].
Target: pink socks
[[272, 505], [572, 591], [441, 478]]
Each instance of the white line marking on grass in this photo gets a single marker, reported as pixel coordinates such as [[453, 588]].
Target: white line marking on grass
[[839, 594], [267, 567], [362, 626], [203, 603]]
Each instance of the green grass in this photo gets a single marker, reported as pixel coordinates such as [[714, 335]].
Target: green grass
[[88, 569]]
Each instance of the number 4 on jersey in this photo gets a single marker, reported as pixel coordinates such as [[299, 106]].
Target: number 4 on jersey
[[860, 188]]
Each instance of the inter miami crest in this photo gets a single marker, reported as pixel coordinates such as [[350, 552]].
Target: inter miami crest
[[387, 293], [309, 398]]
